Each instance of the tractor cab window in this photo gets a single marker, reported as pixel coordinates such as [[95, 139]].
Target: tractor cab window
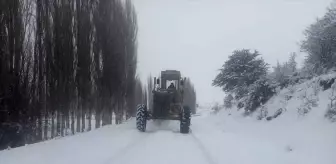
[[171, 84]]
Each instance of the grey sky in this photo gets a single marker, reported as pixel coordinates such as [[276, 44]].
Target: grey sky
[[197, 36]]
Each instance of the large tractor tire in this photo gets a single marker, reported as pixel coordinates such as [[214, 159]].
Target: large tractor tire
[[141, 117], [185, 120]]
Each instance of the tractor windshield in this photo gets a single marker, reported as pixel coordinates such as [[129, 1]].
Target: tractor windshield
[[171, 84]]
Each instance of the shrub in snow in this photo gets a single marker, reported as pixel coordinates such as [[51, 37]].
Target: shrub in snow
[[228, 101], [216, 108], [263, 112], [291, 89], [326, 84], [260, 92], [288, 97], [241, 102], [275, 115], [240, 105], [269, 118], [316, 88], [290, 81], [247, 113], [285, 81], [284, 103], [308, 102], [331, 111], [331, 114], [278, 113], [286, 74], [277, 90], [299, 79]]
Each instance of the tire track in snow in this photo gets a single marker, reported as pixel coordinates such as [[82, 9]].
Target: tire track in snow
[[129, 147], [203, 149]]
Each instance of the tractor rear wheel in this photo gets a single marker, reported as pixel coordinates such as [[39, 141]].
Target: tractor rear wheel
[[185, 120], [141, 117]]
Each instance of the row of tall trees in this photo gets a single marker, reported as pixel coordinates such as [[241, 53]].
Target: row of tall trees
[[63, 62]]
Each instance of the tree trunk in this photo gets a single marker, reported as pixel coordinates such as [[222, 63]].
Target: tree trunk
[[89, 119], [40, 127], [58, 123], [46, 126], [103, 116], [79, 109], [67, 123], [62, 124], [98, 119], [52, 125], [83, 118], [109, 112], [72, 122], [117, 114]]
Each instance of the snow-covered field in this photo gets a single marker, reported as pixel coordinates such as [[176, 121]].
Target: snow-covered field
[[215, 139]]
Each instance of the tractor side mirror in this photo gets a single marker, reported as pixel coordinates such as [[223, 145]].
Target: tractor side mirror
[[157, 81]]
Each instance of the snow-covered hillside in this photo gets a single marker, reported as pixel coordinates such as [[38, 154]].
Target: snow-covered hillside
[[306, 100], [301, 124]]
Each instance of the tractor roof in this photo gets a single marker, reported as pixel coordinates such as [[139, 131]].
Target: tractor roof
[[171, 75]]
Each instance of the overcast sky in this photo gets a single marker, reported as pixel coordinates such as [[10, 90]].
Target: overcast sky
[[197, 36]]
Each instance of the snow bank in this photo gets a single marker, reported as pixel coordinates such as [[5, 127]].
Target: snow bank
[[96, 146], [307, 138], [294, 100], [248, 140]]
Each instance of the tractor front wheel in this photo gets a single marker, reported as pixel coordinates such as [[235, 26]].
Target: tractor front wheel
[[185, 120]]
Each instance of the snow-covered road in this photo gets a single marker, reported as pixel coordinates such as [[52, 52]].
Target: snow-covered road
[[213, 140], [164, 147]]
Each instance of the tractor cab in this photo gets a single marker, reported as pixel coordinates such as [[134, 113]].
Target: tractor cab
[[170, 79], [168, 97]]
